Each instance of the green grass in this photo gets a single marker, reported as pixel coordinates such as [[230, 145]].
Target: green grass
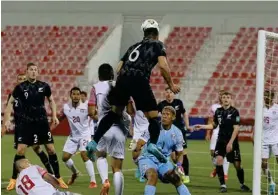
[[200, 168]]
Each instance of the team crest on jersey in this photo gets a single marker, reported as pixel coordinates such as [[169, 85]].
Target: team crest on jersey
[[173, 136]]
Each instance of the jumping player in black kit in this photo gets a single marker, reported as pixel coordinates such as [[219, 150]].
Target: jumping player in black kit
[[37, 149], [134, 72], [33, 128], [228, 119], [181, 122]]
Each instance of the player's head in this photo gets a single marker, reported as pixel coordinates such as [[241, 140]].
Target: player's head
[[268, 97], [105, 72], [22, 164], [83, 96], [226, 98], [169, 95], [20, 78], [220, 92], [32, 71], [168, 115], [75, 95], [150, 28]]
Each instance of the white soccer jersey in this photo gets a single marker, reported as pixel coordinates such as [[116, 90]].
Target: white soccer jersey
[[78, 119], [215, 132], [30, 181], [102, 88], [270, 125]]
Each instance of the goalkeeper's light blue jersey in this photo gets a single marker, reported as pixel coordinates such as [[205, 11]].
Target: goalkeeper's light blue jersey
[[168, 141]]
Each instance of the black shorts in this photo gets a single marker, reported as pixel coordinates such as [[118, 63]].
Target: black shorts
[[34, 133], [136, 87], [234, 155]]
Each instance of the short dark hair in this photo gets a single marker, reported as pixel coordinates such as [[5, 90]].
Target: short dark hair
[[151, 32], [75, 89], [226, 93], [270, 93], [84, 93], [30, 64], [105, 72]]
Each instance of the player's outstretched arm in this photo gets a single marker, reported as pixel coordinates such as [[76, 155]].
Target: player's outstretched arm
[[52, 180], [209, 131], [165, 72], [137, 151], [92, 109], [206, 127], [53, 108]]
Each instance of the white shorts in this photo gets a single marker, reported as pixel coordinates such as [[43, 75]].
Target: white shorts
[[213, 140], [73, 144], [269, 149], [113, 143]]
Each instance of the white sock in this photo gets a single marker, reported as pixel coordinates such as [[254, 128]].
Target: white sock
[[118, 180], [70, 165], [102, 167], [213, 160], [226, 165], [90, 170], [268, 176]]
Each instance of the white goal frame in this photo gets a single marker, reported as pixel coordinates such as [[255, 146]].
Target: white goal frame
[[260, 83]]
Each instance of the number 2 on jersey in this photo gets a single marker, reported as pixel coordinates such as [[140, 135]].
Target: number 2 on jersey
[[27, 184], [133, 56]]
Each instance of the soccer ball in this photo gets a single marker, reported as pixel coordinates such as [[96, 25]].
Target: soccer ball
[[149, 23]]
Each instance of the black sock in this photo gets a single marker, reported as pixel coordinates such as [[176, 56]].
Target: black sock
[[45, 162], [53, 160], [154, 130], [185, 165], [104, 125], [240, 176], [220, 173], [15, 172]]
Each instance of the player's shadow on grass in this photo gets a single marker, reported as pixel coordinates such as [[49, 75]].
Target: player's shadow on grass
[[206, 187]]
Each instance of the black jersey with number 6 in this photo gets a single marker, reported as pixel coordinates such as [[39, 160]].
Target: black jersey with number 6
[[31, 97], [141, 58]]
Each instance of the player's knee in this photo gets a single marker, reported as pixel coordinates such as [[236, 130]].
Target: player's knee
[[101, 154], [21, 150], [84, 156], [65, 157], [37, 149], [219, 160], [152, 176], [237, 165], [212, 153], [173, 177], [50, 149]]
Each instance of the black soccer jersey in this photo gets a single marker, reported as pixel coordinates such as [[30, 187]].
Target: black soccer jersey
[[31, 96], [141, 58], [226, 119], [180, 110]]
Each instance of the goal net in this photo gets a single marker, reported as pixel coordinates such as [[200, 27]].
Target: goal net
[[266, 80]]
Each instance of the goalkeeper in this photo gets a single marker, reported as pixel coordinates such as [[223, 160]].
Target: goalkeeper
[[170, 140]]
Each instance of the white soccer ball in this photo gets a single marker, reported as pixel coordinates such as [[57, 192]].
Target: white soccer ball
[[149, 23]]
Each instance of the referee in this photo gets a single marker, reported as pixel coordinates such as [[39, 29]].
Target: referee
[[228, 119], [181, 122]]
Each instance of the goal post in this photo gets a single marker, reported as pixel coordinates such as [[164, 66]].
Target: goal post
[[264, 74]]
